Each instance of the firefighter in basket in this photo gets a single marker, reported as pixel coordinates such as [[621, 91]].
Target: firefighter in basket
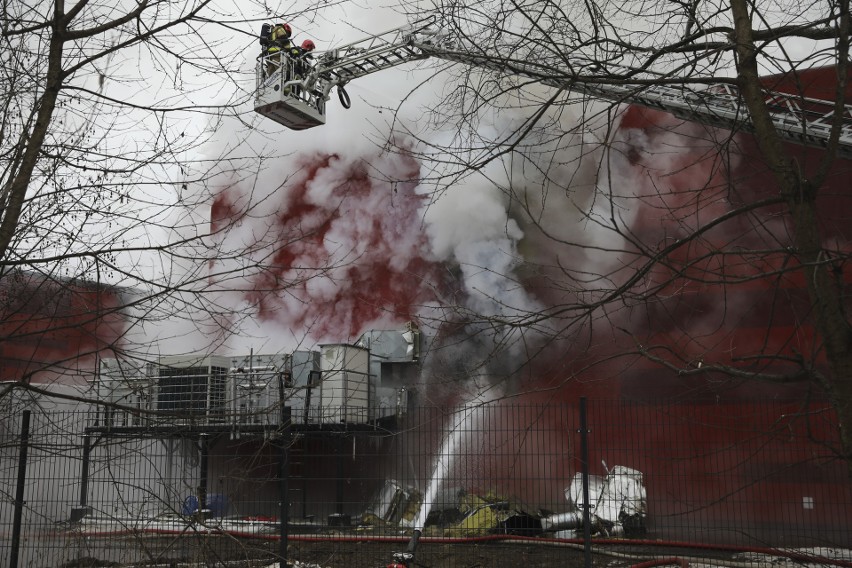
[[300, 56], [275, 40]]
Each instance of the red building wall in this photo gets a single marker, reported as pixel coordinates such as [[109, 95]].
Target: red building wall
[[51, 330]]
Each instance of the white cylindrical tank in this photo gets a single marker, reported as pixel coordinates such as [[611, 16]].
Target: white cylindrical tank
[[345, 385]]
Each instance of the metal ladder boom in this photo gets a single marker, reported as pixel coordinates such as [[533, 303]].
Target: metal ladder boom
[[800, 120], [375, 53]]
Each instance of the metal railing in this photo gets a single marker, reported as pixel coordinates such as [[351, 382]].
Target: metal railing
[[722, 477]]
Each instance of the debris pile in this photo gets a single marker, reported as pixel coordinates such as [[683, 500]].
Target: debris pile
[[617, 507]]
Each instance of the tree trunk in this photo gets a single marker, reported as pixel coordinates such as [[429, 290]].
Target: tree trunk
[[16, 191], [824, 293]]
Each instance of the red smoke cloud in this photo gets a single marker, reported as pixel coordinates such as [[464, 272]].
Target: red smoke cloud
[[735, 296], [351, 251]]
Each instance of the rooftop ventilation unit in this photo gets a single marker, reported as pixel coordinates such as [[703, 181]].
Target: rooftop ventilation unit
[[193, 386]]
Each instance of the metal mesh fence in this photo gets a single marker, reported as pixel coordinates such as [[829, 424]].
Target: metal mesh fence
[[497, 484]]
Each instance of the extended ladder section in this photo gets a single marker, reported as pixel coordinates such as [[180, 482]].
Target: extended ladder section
[[375, 53], [798, 119]]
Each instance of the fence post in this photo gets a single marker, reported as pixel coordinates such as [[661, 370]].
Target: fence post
[[19, 494], [82, 509], [584, 466], [284, 486], [84, 473], [204, 450], [340, 451]]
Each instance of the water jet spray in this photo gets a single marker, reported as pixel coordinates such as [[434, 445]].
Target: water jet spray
[[460, 424]]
